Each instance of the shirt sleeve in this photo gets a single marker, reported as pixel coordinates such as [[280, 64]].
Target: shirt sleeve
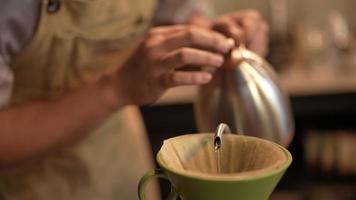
[[18, 20], [179, 11]]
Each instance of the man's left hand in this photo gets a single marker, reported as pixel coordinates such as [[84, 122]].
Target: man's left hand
[[245, 27]]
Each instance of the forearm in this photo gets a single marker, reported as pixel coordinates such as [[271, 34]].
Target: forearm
[[30, 130]]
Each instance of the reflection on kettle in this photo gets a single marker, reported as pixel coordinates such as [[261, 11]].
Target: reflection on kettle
[[246, 95]]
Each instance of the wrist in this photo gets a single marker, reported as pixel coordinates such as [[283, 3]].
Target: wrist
[[110, 93]]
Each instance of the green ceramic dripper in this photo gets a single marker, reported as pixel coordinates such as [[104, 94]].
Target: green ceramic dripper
[[250, 168]]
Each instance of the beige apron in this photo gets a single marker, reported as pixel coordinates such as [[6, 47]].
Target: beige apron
[[72, 46]]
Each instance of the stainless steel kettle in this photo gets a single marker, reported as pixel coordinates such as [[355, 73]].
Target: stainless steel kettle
[[245, 94]]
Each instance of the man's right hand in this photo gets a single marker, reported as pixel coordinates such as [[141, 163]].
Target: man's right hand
[[39, 127], [158, 61]]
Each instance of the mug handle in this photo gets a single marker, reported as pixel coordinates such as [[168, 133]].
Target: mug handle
[[157, 173]]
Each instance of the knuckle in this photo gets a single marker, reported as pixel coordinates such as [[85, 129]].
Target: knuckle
[[190, 34], [148, 47], [183, 55]]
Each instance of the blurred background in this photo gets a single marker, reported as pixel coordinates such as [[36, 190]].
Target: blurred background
[[313, 48]]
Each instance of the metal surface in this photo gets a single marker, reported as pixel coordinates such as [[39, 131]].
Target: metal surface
[[246, 95], [222, 128]]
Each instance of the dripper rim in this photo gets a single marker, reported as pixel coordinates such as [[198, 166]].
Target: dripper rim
[[231, 176]]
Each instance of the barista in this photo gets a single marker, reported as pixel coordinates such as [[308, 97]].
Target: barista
[[70, 73]]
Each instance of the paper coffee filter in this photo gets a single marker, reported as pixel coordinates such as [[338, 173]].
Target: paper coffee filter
[[239, 155]]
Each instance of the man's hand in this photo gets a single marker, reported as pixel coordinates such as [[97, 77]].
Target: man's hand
[[246, 27], [158, 62]]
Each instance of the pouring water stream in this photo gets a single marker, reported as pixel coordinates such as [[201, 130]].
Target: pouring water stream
[[222, 128]]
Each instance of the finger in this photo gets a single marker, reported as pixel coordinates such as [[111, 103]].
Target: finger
[[250, 27], [249, 20], [162, 30], [178, 78], [259, 42], [231, 29], [197, 37], [192, 57]]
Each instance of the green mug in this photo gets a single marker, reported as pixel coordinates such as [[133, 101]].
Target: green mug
[[246, 168]]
